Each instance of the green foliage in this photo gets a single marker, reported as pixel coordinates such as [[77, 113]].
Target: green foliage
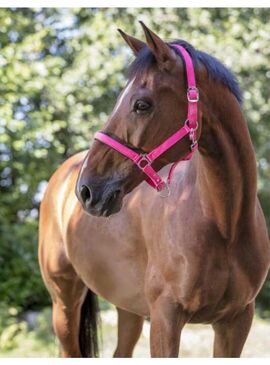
[[17, 340], [61, 71], [8, 326], [262, 303]]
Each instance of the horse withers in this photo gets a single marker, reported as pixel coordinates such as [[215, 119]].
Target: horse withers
[[192, 251]]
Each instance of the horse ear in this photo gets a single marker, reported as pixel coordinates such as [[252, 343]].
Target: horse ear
[[164, 55], [135, 44]]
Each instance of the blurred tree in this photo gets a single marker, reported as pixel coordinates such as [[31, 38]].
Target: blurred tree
[[61, 71]]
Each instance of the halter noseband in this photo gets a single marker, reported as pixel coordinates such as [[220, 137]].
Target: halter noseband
[[144, 161]]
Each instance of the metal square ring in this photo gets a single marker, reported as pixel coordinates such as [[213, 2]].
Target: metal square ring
[[143, 162], [197, 95]]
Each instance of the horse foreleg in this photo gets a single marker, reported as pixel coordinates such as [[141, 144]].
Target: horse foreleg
[[167, 321], [68, 294], [129, 330], [231, 335]]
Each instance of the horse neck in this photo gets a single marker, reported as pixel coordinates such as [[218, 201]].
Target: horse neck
[[226, 165]]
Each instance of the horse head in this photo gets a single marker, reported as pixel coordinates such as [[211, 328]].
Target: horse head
[[151, 108]]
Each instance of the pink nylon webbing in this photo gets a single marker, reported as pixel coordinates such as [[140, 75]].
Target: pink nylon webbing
[[192, 92]]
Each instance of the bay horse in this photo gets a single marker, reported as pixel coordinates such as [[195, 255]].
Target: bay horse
[[197, 254]]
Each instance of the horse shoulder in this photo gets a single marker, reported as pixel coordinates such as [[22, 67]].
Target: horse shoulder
[[55, 211]]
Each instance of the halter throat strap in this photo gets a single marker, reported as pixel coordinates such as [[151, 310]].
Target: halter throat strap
[[144, 161]]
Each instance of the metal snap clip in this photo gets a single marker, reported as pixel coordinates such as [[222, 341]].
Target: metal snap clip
[[165, 192]]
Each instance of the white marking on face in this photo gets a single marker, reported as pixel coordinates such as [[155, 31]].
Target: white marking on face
[[124, 93], [84, 166]]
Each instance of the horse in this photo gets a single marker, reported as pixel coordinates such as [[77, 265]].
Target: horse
[[193, 251]]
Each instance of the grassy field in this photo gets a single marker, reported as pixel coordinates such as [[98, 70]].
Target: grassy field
[[196, 341]]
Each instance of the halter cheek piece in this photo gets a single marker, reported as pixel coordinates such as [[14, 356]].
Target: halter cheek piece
[[144, 161]]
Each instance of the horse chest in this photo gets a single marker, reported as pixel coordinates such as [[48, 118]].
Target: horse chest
[[110, 261]]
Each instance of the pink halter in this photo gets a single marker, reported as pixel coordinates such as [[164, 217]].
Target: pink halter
[[144, 161]]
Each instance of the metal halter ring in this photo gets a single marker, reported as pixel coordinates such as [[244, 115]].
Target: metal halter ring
[[164, 193], [192, 130], [192, 135], [143, 161]]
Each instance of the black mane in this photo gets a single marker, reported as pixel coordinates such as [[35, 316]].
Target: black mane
[[216, 70]]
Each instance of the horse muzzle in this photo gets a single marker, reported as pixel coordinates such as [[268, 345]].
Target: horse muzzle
[[100, 199]]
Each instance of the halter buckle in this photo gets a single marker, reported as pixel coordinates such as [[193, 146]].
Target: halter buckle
[[193, 95]]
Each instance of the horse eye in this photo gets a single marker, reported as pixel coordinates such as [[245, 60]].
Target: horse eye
[[141, 106]]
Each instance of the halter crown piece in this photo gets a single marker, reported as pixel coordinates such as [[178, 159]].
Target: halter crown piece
[[144, 161]]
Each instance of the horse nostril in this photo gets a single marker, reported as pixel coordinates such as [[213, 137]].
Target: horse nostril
[[85, 193]]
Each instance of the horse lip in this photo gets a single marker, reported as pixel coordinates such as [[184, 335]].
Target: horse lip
[[104, 210], [113, 209], [107, 212]]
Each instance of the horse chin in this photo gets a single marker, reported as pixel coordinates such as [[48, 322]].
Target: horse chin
[[112, 210], [106, 210]]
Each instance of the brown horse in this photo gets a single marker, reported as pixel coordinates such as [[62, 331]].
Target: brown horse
[[200, 255]]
